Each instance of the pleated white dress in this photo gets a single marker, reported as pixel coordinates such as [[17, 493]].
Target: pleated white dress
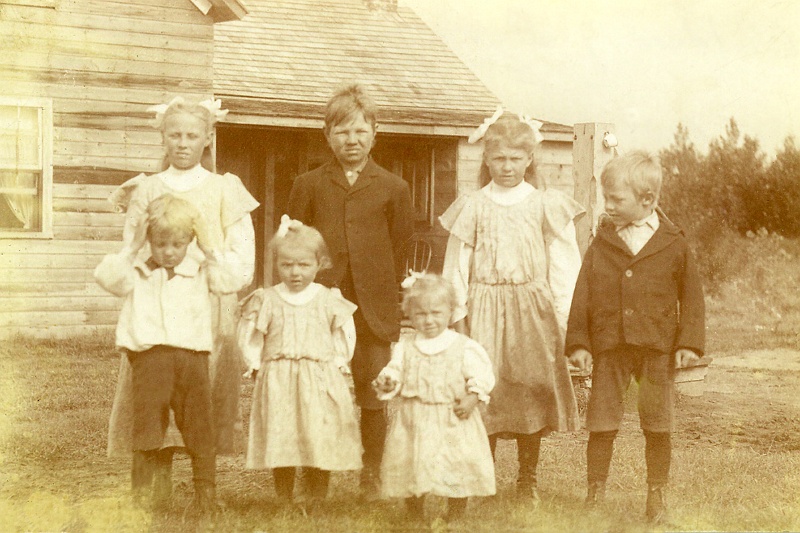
[[429, 450], [302, 413]]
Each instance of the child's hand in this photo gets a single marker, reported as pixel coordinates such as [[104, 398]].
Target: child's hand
[[685, 357], [581, 359], [345, 370], [204, 240], [384, 384], [252, 373], [139, 237], [464, 406]]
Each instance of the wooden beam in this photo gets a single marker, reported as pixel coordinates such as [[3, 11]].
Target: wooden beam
[[589, 158]]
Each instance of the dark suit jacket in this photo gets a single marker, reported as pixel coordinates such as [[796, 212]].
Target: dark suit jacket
[[653, 299], [366, 228]]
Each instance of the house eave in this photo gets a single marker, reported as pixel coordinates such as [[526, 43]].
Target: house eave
[[221, 10], [430, 122]]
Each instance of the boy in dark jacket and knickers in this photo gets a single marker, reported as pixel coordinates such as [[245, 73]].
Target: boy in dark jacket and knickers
[[637, 310]]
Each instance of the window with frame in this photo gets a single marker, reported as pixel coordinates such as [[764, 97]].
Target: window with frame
[[26, 169]]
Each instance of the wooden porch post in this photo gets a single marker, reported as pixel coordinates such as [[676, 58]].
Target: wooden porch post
[[268, 203], [589, 156]]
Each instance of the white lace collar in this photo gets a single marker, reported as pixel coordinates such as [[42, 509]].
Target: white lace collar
[[508, 195], [436, 344], [184, 180], [298, 298]]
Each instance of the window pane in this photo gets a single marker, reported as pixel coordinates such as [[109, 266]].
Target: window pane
[[19, 201], [19, 137]]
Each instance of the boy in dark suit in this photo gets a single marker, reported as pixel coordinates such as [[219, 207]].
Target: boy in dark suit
[[637, 310], [365, 215]]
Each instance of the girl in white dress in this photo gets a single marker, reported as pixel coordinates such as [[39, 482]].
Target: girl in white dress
[[513, 258], [297, 338], [187, 130], [437, 442]]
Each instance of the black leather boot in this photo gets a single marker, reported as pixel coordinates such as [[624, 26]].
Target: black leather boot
[[142, 468], [162, 477]]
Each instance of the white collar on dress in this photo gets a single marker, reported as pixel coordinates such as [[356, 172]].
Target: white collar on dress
[[184, 180], [298, 298], [436, 344], [508, 195]]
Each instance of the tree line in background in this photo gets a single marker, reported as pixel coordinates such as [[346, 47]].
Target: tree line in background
[[728, 193]]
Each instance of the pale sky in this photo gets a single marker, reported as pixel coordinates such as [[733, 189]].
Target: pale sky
[[643, 65]]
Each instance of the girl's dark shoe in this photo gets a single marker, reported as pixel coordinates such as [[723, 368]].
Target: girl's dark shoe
[[656, 507], [530, 493], [415, 508], [596, 494], [456, 507]]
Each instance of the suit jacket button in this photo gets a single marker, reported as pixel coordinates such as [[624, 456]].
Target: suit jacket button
[[628, 312], [629, 273]]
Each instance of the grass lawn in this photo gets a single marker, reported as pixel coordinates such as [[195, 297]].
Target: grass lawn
[[736, 460]]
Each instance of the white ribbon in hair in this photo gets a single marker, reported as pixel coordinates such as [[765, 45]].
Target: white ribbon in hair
[[411, 279], [535, 126], [478, 134], [214, 108], [286, 224]]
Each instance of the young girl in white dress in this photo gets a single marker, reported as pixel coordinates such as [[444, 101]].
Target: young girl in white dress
[[436, 443], [513, 257], [297, 338], [187, 130]]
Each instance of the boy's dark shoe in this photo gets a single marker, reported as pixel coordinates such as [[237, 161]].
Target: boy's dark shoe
[[369, 485], [596, 494], [530, 493], [205, 499], [656, 507]]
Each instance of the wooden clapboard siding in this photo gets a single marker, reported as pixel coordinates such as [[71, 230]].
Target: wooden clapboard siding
[[56, 332], [60, 303], [26, 260], [554, 164], [57, 318], [103, 63]]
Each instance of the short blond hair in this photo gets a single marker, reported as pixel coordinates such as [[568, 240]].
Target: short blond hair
[[429, 285], [302, 236], [169, 214], [638, 170]]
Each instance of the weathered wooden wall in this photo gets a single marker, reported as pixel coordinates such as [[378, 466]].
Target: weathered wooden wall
[[553, 163], [102, 63]]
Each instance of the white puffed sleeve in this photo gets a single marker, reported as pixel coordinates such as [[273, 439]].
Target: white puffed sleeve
[[456, 269], [394, 371], [477, 369], [344, 343], [116, 273], [563, 269], [238, 253], [249, 338]]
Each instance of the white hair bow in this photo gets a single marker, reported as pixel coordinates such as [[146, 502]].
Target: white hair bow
[[535, 126], [411, 279], [478, 134], [214, 108], [286, 224]]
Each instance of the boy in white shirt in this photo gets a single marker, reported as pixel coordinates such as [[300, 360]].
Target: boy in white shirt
[[164, 328]]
